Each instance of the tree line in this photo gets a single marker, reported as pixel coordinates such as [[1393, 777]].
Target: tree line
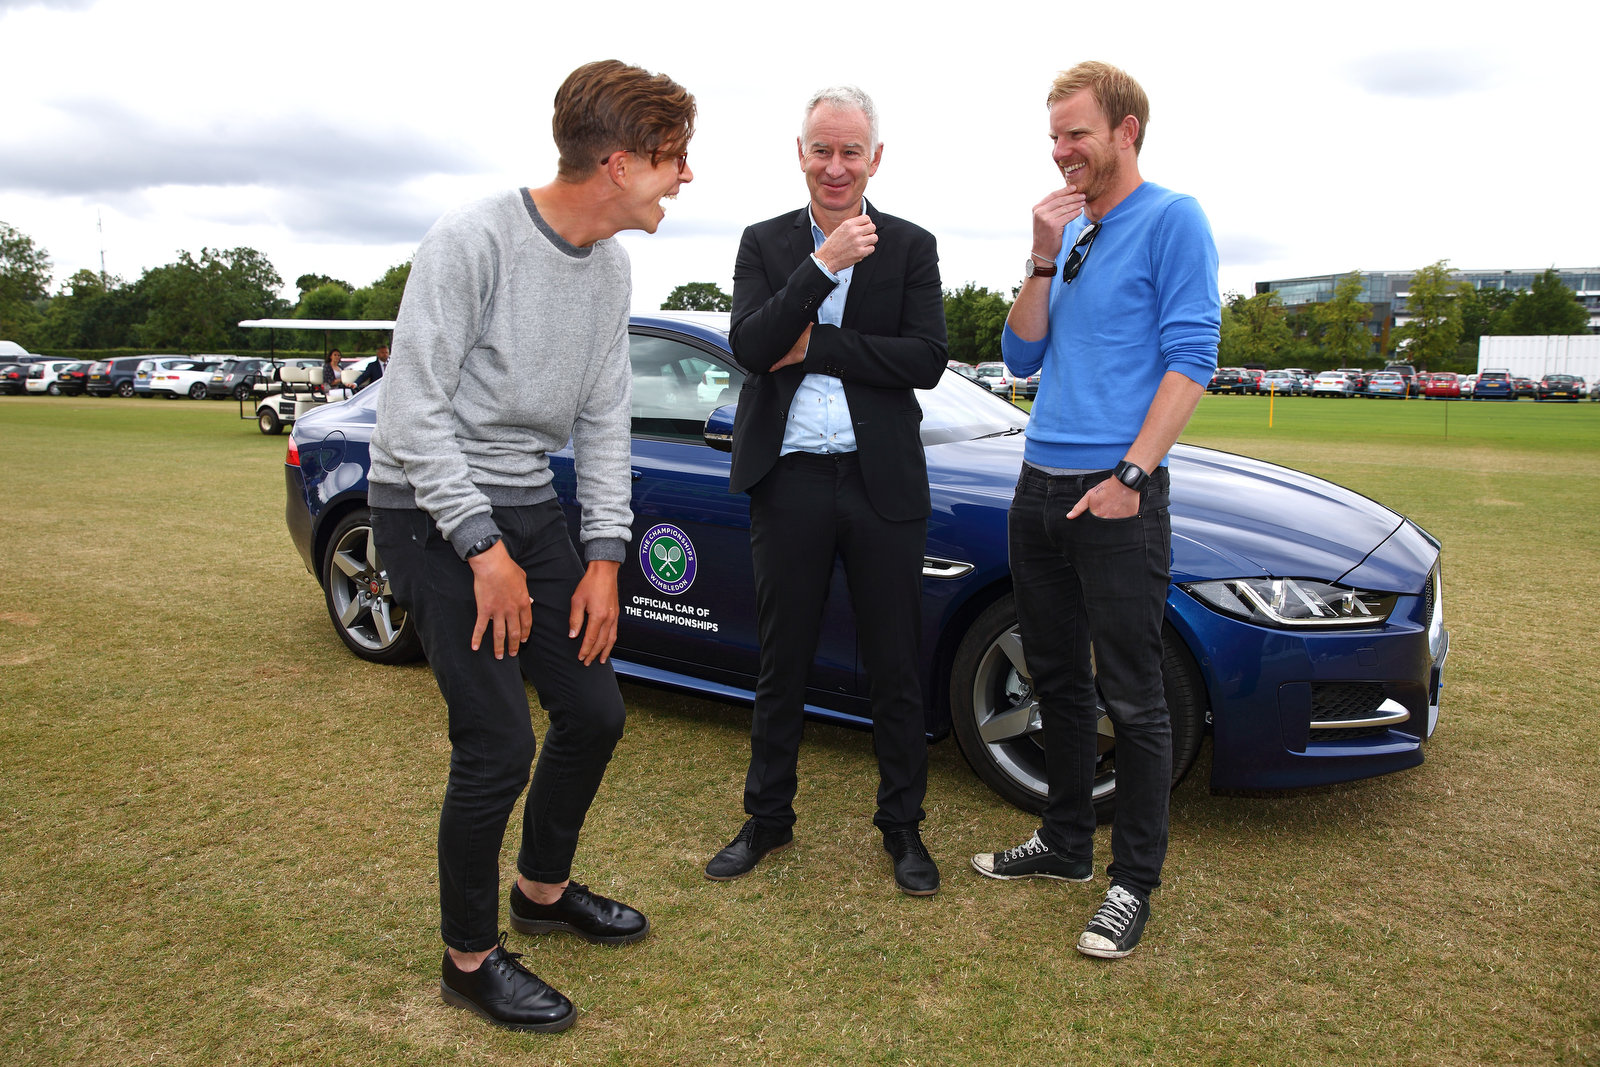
[[195, 304], [1446, 319], [191, 305], [973, 316]]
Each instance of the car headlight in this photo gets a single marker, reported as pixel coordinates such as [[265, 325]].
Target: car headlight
[[1294, 603]]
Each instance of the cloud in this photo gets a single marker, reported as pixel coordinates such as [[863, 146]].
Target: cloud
[[59, 5], [1248, 250], [1423, 73], [102, 148]]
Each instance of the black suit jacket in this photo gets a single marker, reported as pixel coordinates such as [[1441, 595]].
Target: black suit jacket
[[891, 340]]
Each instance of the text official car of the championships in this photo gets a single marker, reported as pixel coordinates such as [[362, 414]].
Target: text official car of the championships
[[1304, 624]]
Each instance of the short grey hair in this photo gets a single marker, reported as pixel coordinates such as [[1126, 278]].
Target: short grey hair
[[846, 97]]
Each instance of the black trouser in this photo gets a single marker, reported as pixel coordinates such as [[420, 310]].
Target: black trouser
[[491, 732], [809, 510], [1103, 581]]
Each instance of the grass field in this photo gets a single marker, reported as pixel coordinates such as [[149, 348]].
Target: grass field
[[217, 843]]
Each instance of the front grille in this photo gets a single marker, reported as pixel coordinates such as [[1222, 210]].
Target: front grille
[[1333, 701]]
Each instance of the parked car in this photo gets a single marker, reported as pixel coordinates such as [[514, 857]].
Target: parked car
[[183, 377], [1388, 383], [1494, 385], [1281, 383], [1303, 630], [1559, 387], [42, 376], [146, 369], [236, 377], [1333, 383], [1467, 383], [1442, 385], [108, 376], [1357, 376], [1525, 387], [13, 378], [1409, 373], [1001, 381], [70, 379], [1229, 380], [966, 370]]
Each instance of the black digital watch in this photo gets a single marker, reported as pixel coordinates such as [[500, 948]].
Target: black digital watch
[[481, 545], [1131, 476]]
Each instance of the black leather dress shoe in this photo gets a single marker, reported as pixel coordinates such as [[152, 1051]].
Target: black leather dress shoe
[[589, 915], [914, 870], [506, 993], [742, 854]]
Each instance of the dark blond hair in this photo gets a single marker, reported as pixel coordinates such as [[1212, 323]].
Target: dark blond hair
[[1112, 88], [607, 105]]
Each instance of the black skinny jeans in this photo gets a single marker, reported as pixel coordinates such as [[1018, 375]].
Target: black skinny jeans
[[1103, 581], [491, 732]]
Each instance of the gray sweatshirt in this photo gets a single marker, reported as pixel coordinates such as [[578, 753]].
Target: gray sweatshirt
[[509, 342]]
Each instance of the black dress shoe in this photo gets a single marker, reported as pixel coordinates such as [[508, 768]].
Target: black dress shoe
[[589, 915], [914, 870], [506, 993], [742, 854]]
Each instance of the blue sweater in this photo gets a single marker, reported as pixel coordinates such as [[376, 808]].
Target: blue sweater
[[1145, 302]]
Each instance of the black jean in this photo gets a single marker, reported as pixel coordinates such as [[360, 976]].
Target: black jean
[[807, 512], [1100, 582], [491, 731]]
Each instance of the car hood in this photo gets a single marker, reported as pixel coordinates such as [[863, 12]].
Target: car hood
[[1232, 516]]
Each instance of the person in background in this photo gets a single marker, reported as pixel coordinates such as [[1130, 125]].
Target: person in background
[[374, 370]]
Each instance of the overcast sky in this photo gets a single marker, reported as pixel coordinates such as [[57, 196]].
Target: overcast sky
[[329, 134]]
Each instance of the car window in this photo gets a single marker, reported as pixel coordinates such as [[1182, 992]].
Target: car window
[[677, 386]]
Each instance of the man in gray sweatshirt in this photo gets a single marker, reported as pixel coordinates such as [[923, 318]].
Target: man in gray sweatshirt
[[512, 338]]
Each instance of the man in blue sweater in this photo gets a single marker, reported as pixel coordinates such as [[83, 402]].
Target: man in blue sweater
[[1127, 339]]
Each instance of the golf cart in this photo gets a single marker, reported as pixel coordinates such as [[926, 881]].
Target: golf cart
[[287, 389]]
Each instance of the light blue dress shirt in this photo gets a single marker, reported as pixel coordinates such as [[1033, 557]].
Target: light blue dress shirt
[[819, 415]]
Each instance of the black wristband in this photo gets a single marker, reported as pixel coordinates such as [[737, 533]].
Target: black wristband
[[1131, 476], [481, 545]]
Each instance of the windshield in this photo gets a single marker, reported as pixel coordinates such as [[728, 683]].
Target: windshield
[[960, 409]]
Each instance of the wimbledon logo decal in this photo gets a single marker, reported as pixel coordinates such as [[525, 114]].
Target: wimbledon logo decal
[[666, 555]]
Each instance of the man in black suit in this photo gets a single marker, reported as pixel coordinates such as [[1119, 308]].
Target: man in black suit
[[838, 315]]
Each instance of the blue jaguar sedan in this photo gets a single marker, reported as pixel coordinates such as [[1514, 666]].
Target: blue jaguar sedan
[[1304, 625]]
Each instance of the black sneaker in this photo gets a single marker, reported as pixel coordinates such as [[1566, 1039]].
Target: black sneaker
[[506, 993], [579, 911], [1032, 859], [1116, 927], [740, 856]]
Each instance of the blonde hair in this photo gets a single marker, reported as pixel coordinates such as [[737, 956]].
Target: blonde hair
[[1112, 88]]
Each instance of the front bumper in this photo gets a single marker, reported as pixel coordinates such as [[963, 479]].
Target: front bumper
[[1307, 708]]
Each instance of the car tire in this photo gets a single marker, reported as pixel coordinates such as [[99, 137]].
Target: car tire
[[361, 605], [990, 693], [125, 389], [53, 389], [269, 422], [197, 391], [241, 391]]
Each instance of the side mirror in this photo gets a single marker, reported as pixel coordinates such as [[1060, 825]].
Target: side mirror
[[719, 428]]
